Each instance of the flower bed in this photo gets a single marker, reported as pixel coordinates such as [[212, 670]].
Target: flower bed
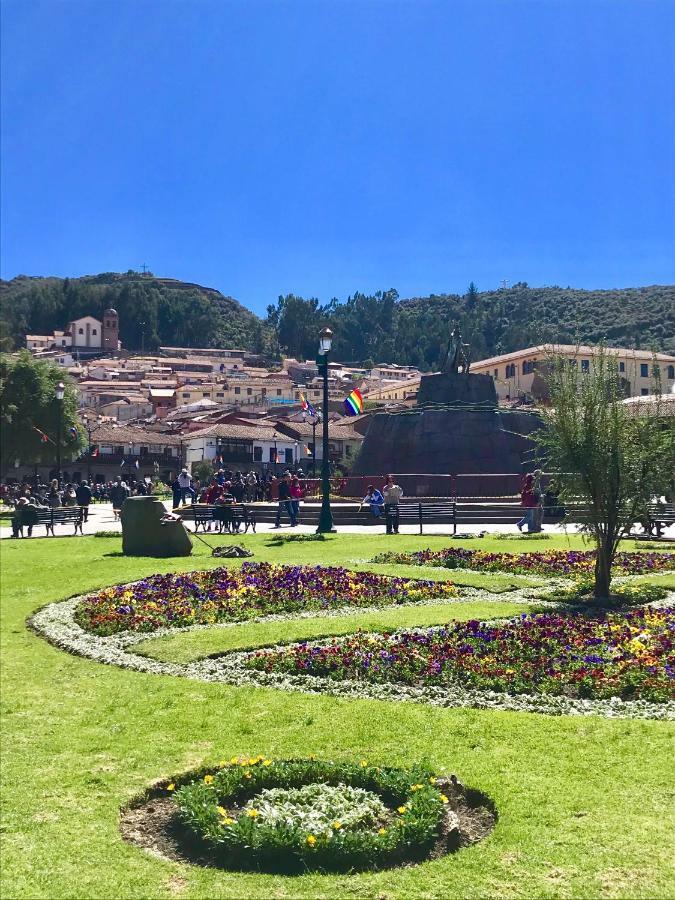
[[228, 595], [548, 562], [626, 655], [294, 815]]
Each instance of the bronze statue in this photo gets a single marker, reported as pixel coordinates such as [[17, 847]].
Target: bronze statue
[[458, 354]]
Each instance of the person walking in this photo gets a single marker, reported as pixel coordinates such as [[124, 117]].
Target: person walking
[[251, 486], [528, 503], [538, 515], [285, 505], [118, 494], [83, 497], [392, 494]]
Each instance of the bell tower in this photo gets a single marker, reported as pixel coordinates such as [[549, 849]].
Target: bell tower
[[111, 330]]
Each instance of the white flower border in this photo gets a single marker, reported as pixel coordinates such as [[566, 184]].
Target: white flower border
[[56, 623]]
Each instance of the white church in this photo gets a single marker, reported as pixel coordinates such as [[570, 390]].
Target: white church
[[85, 335]]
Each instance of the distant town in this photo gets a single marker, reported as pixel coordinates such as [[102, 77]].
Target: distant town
[[184, 405]]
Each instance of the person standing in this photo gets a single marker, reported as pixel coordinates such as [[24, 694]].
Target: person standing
[[53, 498], [285, 505], [83, 497], [175, 490], [538, 514], [297, 494], [392, 494], [185, 484], [118, 494], [529, 504], [251, 486]]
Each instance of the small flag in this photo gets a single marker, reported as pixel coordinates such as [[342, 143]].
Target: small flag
[[94, 451], [137, 464], [43, 437], [308, 452], [307, 406], [122, 464], [73, 432], [354, 404], [273, 455]]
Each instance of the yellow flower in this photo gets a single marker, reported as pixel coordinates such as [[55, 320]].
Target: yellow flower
[[364, 763], [337, 825], [234, 761], [221, 810], [444, 799], [222, 763], [171, 787], [252, 761], [381, 831], [402, 809], [267, 762], [252, 813], [227, 821], [247, 775], [311, 840], [432, 780], [208, 779], [416, 787]]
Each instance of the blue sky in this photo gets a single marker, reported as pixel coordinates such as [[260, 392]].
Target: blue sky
[[326, 147]]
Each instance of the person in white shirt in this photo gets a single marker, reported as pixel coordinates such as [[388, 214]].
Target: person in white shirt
[[392, 494], [185, 484]]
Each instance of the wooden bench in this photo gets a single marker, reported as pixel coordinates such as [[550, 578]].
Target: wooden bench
[[61, 515], [240, 514]]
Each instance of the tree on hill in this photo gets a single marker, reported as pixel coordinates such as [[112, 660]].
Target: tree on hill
[[611, 462], [30, 412]]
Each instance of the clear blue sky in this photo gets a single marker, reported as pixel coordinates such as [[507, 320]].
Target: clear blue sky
[[327, 146]]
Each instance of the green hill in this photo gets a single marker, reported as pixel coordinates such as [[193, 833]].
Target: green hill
[[175, 312]]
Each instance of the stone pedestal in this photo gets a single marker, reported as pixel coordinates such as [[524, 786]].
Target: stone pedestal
[[143, 533], [457, 388]]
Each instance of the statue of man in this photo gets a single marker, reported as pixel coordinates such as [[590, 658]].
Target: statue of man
[[453, 354]]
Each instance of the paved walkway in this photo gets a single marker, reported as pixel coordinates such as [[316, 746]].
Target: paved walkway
[[101, 519]]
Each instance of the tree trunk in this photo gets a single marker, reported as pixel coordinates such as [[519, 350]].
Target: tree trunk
[[603, 568]]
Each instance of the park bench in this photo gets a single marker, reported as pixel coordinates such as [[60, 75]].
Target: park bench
[[206, 515], [61, 515], [659, 517]]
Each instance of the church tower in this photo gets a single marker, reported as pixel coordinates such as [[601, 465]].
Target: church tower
[[111, 330]]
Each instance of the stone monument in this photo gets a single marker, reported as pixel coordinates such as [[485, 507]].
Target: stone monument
[[146, 530], [457, 428]]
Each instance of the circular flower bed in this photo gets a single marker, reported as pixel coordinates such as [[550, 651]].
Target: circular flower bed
[[228, 595], [628, 655], [548, 562], [293, 815]]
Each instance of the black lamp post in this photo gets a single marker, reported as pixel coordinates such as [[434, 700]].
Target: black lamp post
[[59, 391], [326, 517]]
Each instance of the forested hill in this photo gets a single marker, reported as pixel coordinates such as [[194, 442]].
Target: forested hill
[[367, 328], [415, 331], [175, 312]]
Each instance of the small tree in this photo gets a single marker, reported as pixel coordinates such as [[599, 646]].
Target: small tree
[[604, 456]]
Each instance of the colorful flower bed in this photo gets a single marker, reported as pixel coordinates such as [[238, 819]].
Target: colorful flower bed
[[294, 815], [627, 655], [257, 589], [547, 562]]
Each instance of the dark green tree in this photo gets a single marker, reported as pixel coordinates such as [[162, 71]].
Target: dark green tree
[[29, 410]]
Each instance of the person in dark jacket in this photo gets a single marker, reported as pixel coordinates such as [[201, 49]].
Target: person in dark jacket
[[285, 504], [83, 497]]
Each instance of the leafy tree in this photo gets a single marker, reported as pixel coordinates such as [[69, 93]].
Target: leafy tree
[[30, 410], [603, 456]]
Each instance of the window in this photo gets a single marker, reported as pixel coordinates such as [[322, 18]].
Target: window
[[288, 456], [143, 451], [644, 370], [622, 367], [119, 451], [511, 370], [257, 454], [671, 372], [249, 391], [264, 392], [273, 454], [585, 365], [80, 330], [220, 394], [186, 396], [278, 392], [496, 373], [644, 391], [205, 394], [237, 390]]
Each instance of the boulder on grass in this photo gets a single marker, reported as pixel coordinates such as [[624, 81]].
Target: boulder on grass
[[144, 533]]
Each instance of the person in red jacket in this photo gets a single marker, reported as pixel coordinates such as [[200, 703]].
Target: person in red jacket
[[528, 501]]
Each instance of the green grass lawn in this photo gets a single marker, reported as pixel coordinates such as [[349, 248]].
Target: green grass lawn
[[585, 804], [191, 645]]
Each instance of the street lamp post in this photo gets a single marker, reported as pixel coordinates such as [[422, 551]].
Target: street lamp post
[[59, 391], [326, 517]]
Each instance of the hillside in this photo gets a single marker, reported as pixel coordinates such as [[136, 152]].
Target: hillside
[[174, 312]]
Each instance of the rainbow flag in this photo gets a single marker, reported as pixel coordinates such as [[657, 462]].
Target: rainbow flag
[[354, 404]]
